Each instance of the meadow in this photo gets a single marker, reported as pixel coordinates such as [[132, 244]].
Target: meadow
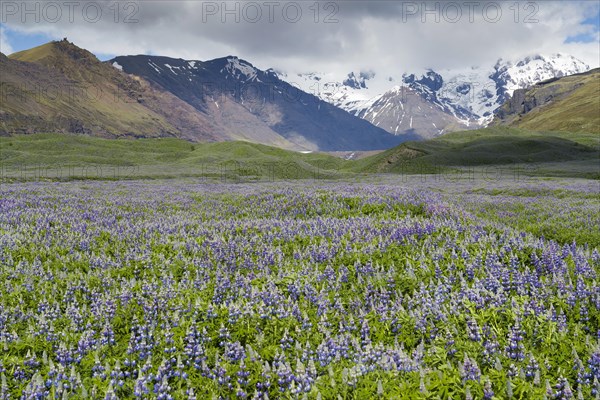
[[483, 152], [412, 287]]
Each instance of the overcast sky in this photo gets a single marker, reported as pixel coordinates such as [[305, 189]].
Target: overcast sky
[[337, 37]]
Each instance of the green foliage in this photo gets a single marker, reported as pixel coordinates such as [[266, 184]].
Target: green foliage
[[533, 153], [62, 156]]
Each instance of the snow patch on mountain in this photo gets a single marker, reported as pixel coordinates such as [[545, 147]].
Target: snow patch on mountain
[[347, 92], [155, 67]]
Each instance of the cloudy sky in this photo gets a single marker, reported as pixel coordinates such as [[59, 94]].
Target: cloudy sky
[[304, 36]]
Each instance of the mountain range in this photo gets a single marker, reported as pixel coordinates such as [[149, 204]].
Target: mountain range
[[427, 104], [256, 103], [59, 87]]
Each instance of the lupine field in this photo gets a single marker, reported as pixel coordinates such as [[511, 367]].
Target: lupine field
[[406, 289]]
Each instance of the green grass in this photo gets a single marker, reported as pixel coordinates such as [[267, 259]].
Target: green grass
[[156, 158], [35, 54], [538, 154], [492, 146]]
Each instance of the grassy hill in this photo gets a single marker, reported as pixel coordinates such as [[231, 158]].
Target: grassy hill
[[59, 87], [81, 156], [57, 156], [553, 153], [568, 104]]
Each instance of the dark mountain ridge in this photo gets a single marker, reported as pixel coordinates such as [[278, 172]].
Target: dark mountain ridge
[[230, 82]]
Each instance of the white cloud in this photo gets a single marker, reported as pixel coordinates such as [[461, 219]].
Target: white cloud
[[388, 37], [5, 46]]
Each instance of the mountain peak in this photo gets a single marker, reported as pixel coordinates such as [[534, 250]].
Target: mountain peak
[[76, 53], [54, 53], [554, 59], [526, 72], [235, 61], [236, 67]]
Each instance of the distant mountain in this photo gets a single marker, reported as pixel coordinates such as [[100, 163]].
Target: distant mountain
[[59, 87], [570, 103], [436, 102], [254, 104]]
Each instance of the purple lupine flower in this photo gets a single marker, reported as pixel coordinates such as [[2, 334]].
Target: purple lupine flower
[[596, 387], [140, 389], [515, 348], [264, 383], [162, 390], [110, 394], [594, 364], [532, 368], [189, 394], [243, 375], [98, 370], [488, 392], [35, 389], [563, 389], [234, 352], [470, 370], [450, 344], [117, 376], [473, 330], [4, 391]]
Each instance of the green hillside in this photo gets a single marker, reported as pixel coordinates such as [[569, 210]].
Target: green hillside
[[491, 146], [568, 104], [59, 87], [58, 155], [552, 154]]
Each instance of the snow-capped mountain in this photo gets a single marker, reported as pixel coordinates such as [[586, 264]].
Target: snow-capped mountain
[[348, 92], [531, 70], [403, 111], [429, 103]]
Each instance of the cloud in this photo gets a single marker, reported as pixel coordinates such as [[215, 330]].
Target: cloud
[[5, 46], [387, 37]]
